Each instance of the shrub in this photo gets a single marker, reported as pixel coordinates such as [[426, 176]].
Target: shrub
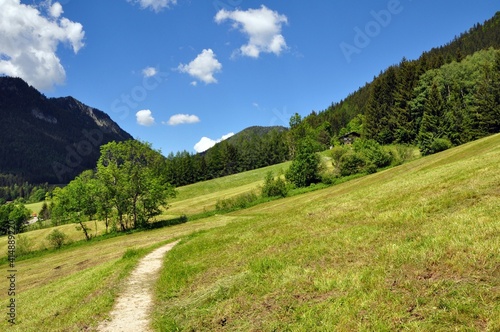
[[274, 187], [305, 166], [400, 154], [440, 144], [57, 238], [238, 202], [24, 245], [337, 153], [351, 163], [373, 152]]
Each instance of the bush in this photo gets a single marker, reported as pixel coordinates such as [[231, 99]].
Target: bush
[[24, 245], [440, 144], [274, 187], [337, 153], [351, 163], [238, 202], [57, 238], [373, 152], [400, 154], [305, 166]]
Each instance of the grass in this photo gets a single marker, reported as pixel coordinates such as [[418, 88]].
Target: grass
[[410, 248], [73, 289], [202, 197], [35, 207]]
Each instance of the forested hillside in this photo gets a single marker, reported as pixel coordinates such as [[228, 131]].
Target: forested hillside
[[252, 148], [47, 139], [391, 108]]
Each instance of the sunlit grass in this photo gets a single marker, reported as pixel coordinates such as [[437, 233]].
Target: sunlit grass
[[411, 248], [73, 288]]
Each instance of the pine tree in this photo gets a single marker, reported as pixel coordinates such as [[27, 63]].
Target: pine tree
[[430, 128], [488, 99]]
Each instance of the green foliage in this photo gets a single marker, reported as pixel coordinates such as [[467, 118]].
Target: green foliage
[[351, 163], [252, 148], [45, 212], [57, 238], [24, 245], [364, 156], [129, 185], [401, 153], [440, 144], [305, 167], [372, 152], [13, 215], [238, 202], [134, 182], [274, 187]]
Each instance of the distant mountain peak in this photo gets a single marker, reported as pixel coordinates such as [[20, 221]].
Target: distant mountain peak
[[49, 139]]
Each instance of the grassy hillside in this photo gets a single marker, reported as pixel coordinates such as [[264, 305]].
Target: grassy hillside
[[414, 247], [73, 289], [202, 196], [411, 248]]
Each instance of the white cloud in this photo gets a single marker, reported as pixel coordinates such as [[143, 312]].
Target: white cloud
[[56, 10], [261, 26], [145, 118], [29, 41], [149, 72], [155, 5], [203, 67], [206, 143], [183, 119]]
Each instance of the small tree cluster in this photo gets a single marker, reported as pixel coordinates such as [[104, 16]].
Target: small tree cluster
[[305, 167], [129, 188], [13, 214], [364, 156], [274, 187]]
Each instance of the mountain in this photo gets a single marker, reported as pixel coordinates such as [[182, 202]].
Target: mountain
[[49, 139], [252, 132], [251, 148]]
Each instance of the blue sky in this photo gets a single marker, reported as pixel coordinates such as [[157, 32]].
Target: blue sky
[[186, 73]]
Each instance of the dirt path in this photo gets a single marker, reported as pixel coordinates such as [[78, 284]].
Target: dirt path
[[132, 308]]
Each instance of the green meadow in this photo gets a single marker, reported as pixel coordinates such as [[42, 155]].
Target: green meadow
[[411, 248]]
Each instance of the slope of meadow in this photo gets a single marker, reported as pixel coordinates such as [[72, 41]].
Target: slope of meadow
[[412, 248]]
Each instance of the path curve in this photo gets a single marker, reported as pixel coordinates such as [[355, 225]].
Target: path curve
[[132, 308]]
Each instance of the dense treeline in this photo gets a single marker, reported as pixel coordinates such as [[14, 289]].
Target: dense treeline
[[454, 104], [391, 108], [253, 148], [14, 187]]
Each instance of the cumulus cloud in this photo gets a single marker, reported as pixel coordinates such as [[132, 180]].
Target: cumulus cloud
[[183, 119], [145, 118], [206, 143], [261, 26], [155, 5], [149, 72], [203, 67], [29, 39], [56, 10]]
